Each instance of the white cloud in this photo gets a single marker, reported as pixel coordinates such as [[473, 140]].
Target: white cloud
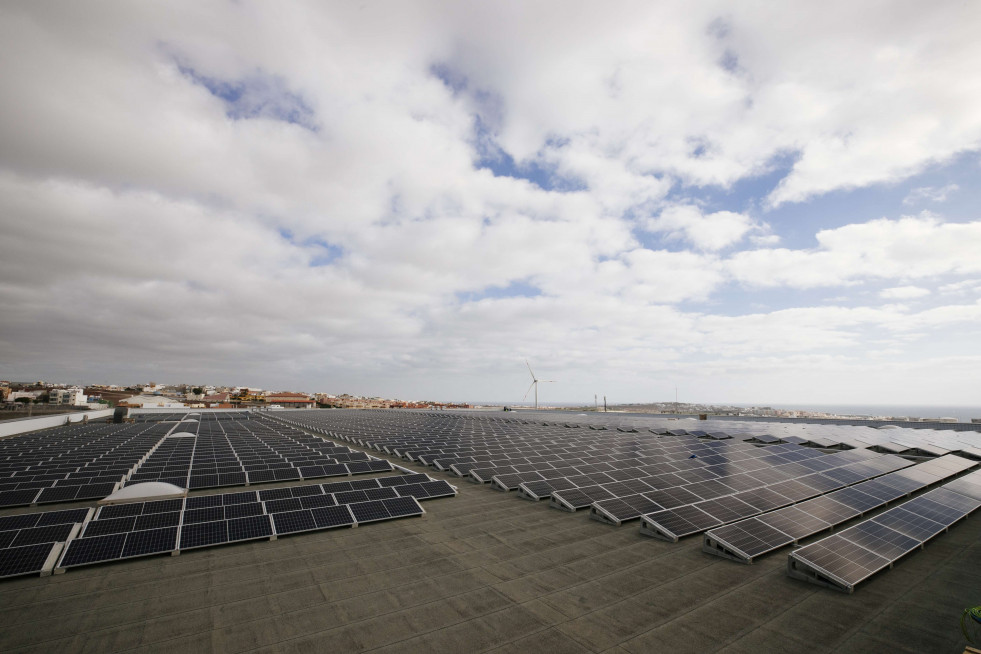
[[903, 293], [930, 194], [913, 247], [713, 231]]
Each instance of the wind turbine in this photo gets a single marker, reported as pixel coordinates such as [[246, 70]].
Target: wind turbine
[[534, 383]]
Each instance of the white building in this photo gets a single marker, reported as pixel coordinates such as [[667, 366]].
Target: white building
[[73, 396], [151, 402]]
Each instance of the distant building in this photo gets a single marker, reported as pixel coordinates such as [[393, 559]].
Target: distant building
[[291, 400], [151, 402], [73, 396]]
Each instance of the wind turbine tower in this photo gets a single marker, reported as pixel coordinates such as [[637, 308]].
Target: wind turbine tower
[[534, 384]]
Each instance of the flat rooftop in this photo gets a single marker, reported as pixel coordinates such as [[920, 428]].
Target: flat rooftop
[[488, 571]]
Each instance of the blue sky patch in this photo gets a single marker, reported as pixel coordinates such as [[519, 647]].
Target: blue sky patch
[[258, 95], [519, 288]]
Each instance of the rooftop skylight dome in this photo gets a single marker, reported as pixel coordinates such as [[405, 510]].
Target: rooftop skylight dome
[[145, 492]]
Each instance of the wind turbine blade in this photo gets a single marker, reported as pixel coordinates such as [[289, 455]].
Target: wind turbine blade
[[544, 381], [530, 370], [529, 390]]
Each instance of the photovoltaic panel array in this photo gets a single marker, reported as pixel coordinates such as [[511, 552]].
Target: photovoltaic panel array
[[830, 509], [689, 479], [845, 559], [748, 539], [71, 463], [742, 489], [28, 541], [90, 461], [573, 465], [233, 452], [145, 528]]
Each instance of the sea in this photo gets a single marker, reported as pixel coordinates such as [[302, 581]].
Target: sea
[[961, 413]]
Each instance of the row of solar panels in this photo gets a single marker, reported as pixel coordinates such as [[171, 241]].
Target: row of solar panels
[[746, 494], [627, 496], [37, 542], [692, 507], [889, 439], [843, 560], [817, 510], [285, 455], [621, 486], [746, 523], [54, 470]]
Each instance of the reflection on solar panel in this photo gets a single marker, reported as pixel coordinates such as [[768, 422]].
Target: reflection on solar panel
[[845, 559], [813, 516]]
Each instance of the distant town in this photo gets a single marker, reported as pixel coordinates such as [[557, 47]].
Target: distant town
[[22, 398], [40, 397]]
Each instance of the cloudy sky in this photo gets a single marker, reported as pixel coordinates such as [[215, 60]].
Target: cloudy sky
[[755, 202]]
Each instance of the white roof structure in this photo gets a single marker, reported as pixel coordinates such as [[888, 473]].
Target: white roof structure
[[147, 491]]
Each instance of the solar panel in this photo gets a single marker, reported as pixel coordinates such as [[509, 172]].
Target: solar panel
[[62, 517], [840, 559], [332, 516], [350, 497], [282, 506], [23, 521], [157, 520], [957, 501], [673, 524], [317, 501], [150, 541], [855, 498], [438, 488], [203, 501], [120, 510], [880, 539], [935, 511], [745, 540], [795, 523], [402, 507], [369, 511], [727, 509], [248, 528], [275, 494], [906, 522], [163, 506], [83, 551], [966, 486], [16, 561], [304, 491], [828, 510], [238, 498], [210, 514], [58, 494], [764, 499], [18, 497], [38, 535], [109, 526], [203, 534], [294, 521], [243, 510]]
